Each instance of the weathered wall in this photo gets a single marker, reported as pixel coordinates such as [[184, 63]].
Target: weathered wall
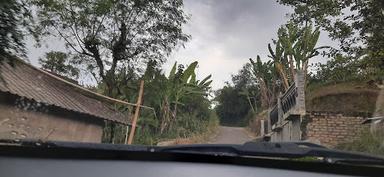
[[50, 124], [331, 129]]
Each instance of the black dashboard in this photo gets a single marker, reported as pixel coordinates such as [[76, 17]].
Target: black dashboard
[[22, 167], [90, 160]]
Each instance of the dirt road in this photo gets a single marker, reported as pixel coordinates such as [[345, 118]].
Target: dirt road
[[231, 135]]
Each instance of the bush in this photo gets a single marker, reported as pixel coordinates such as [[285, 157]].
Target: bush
[[367, 142]]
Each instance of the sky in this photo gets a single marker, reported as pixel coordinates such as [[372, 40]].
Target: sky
[[225, 34]]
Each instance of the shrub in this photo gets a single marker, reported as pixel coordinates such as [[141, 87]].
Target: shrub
[[367, 142]]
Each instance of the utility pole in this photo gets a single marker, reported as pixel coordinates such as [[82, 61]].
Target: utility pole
[[137, 113]]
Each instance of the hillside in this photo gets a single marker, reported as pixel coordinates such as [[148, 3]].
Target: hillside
[[348, 98]]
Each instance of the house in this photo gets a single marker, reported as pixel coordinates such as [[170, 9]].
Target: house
[[35, 104]]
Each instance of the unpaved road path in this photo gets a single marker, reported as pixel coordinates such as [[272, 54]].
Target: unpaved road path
[[231, 135]]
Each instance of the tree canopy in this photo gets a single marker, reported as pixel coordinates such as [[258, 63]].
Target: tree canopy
[[14, 20], [110, 34], [58, 62], [357, 24]]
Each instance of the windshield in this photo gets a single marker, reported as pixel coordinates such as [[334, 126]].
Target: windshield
[[179, 72]]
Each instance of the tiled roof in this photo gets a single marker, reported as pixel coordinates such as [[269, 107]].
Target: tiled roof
[[27, 81]]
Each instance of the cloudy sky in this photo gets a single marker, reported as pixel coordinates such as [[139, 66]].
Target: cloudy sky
[[225, 34]]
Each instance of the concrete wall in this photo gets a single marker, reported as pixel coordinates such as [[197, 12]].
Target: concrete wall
[[331, 129], [17, 122]]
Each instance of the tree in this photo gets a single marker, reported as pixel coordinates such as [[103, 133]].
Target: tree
[[246, 82], [14, 20], [238, 101], [232, 106], [58, 62], [266, 78], [295, 46], [339, 69], [179, 84], [179, 101], [114, 33], [357, 24]]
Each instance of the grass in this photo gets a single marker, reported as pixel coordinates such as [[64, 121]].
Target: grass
[[368, 142], [314, 91], [350, 97]]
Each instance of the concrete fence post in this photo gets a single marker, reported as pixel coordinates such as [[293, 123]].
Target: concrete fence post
[[300, 106]]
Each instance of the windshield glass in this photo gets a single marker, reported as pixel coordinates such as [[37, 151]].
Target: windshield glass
[[177, 72]]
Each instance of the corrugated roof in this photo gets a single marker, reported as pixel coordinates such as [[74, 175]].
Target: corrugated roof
[[24, 80]]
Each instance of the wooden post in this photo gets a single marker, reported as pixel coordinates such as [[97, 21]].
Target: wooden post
[[137, 111]]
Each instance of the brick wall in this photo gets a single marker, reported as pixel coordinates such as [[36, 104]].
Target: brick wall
[[331, 129]]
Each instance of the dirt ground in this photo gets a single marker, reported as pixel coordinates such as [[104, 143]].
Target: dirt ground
[[231, 135]]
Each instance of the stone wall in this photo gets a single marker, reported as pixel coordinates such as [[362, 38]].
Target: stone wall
[[330, 129]]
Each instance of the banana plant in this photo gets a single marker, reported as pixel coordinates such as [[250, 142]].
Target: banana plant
[[293, 50], [265, 75], [180, 83]]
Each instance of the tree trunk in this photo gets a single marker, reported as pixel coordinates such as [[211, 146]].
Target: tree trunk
[[173, 119], [109, 82], [283, 76], [292, 67], [165, 116], [264, 94]]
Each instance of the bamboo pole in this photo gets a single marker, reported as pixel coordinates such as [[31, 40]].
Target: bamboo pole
[[137, 111], [126, 135]]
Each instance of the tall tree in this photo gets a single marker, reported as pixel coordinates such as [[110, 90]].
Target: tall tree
[[246, 82], [266, 78], [232, 106], [109, 34], [179, 84], [294, 47], [357, 24]]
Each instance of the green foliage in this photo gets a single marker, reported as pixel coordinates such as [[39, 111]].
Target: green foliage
[[238, 102], [58, 62], [293, 49], [232, 106], [181, 106], [111, 35], [359, 32], [15, 19], [345, 69], [261, 81], [338, 70], [367, 142], [266, 78], [263, 71], [180, 84]]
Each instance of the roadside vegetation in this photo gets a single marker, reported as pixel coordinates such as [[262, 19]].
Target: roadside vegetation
[[350, 74], [370, 142], [120, 43]]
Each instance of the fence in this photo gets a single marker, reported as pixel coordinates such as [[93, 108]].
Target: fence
[[285, 117]]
